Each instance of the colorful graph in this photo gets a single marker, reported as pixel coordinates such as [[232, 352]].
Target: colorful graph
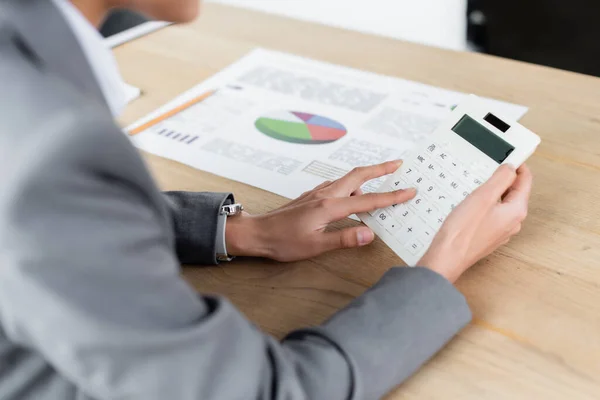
[[298, 127]]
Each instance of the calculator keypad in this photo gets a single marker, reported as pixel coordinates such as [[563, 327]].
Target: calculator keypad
[[442, 182]]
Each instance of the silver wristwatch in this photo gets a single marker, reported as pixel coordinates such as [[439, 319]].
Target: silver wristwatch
[[228, 210]]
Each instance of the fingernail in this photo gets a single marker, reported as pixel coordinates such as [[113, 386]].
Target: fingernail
[[411, 190], [399, 162], [365, 236]]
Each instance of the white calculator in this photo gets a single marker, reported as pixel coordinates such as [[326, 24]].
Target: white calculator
[[461, 154]]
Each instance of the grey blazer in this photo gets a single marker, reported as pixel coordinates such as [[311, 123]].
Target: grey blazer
[[92, 305]]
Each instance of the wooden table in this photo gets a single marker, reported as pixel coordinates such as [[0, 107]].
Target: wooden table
[[536, 302]]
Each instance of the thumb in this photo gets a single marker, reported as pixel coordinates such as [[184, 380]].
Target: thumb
[[499, 182], [348, 238]]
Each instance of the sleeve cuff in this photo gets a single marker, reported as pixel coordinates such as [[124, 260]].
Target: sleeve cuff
[[396, 326], [196, 218]]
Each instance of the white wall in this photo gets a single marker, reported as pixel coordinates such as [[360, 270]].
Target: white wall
[[436, 22]]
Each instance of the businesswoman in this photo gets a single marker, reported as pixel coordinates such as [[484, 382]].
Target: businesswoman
[[91, 302]]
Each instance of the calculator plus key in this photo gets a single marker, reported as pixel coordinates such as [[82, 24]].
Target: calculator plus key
[[408, 232]]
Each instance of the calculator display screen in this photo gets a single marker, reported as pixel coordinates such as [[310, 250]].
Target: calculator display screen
[[485, 140]]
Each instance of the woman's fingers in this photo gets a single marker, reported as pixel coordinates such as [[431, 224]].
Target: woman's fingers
[[346, 238], [521, 188], [358, 176], [305, 195], [339, 208], [515, 204], [498, 184]]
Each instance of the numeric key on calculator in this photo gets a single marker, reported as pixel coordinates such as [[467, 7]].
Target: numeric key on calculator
[[402, 213], [381, 216], [422, 183], [417, 203], [399, 184], [410, 172]]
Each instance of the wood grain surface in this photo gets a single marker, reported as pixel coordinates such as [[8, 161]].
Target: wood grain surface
[[536, 302]]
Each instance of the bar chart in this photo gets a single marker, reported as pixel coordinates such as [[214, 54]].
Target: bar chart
[[175, 135]]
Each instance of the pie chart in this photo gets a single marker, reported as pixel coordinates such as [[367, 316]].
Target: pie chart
[[299, 127]]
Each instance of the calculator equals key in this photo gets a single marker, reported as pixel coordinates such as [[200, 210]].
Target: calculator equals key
[[460, 155]]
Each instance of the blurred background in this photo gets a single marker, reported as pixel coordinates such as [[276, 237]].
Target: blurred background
[[557, 33]]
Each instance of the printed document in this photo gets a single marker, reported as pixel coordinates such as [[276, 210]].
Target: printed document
[[284, 123]]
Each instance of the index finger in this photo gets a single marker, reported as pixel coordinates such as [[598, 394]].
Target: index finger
[[521, 188], [340, 208], [355, 178]]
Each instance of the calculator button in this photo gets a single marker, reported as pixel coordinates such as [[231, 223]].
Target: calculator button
[[444, 156], [427, 234], [476, 181], [432, 214], [422, 183], [403, 213], [442, 177], [382, 216], [455, 187], [472, 183], [441, 198], [392, 225], [418, 202], [430, 190], [432, 167], [409, 173], [399, 183], [407, 232], [414, 246], [454, 167], [421, 160], [465, 173], [430, 211]]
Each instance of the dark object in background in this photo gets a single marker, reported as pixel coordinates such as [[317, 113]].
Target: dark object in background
[[558, 33], [476, 26], [119, 21]]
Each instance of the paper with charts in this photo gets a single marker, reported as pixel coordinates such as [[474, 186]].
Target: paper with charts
[[286, 124]]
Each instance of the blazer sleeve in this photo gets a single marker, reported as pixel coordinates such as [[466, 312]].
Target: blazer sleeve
[[195, 219], [89, 281]]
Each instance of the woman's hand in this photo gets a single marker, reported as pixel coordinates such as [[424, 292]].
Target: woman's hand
[[484, 221], [297, 230]]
